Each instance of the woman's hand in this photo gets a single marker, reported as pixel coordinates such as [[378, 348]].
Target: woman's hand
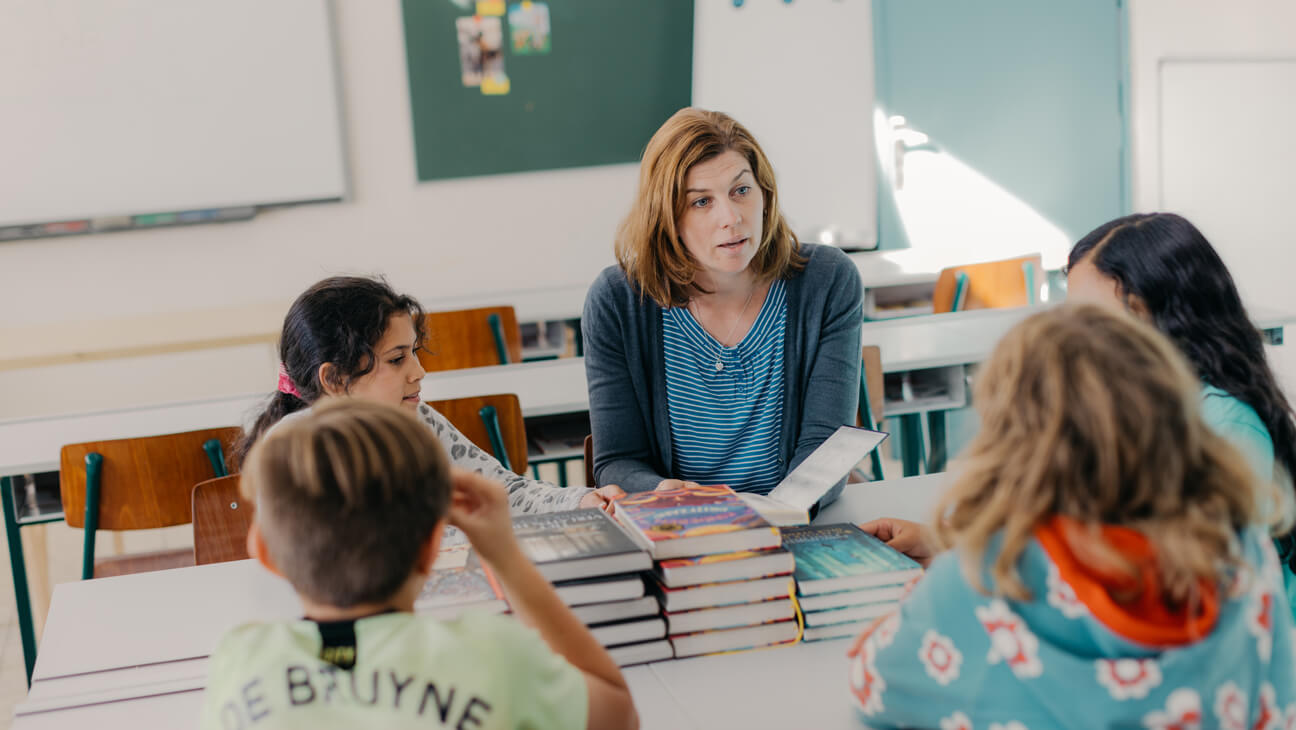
[[665, 484], [914, 539], [480, 508], [604, 498]]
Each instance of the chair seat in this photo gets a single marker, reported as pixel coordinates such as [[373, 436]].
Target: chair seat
[[143, 562]]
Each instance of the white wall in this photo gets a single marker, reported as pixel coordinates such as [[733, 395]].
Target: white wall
[[432, 239], [1210, 142]]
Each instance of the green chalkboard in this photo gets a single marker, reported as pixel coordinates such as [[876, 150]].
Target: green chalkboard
[[614, 70]]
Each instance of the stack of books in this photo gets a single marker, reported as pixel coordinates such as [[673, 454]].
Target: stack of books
[[845, 578], [721, 575], [595, 568], [599, 572]]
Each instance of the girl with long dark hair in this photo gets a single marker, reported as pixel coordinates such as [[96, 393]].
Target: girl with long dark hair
[[1162, 269], [352, 336]]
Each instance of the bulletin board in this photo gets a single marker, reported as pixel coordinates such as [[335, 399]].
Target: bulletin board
[[500, 87]]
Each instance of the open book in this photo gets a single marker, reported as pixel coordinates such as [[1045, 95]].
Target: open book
[[789, 503]]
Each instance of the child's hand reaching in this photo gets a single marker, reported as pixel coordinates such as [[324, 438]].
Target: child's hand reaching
[[480, 508]]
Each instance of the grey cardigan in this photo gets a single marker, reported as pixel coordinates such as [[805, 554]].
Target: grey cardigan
[[625, 369]]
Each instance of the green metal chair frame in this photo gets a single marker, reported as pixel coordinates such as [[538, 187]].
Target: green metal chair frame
[[94, 477]]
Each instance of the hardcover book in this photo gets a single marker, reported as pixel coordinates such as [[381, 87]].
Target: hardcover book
[[747, 637], [599, 613], [722, 594], [627, 632], [835, 631], [600, 590], [690, 521], [578, 544], [843, 557], [450, 592], [849, 614], [728, 617], [841, 599], [647, 651], [697, 570]]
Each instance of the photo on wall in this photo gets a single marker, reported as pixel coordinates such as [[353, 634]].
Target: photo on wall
[[529, 28], [481, 49]]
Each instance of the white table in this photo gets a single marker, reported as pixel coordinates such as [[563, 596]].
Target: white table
[[131, 651]]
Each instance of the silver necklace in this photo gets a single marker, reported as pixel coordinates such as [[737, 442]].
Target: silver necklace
[[719, 366]]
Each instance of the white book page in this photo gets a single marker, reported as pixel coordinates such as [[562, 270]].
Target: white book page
[[826, 466]]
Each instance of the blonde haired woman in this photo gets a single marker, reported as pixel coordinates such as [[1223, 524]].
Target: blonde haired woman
[[1104, 569], [719, 349]]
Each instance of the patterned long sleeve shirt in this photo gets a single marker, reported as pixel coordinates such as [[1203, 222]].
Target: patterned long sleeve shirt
[[525, 495]]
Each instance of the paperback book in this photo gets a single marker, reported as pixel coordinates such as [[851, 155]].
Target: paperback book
[[790, 501], [694, 520], [598, 613], [843, 557], [627, 632]]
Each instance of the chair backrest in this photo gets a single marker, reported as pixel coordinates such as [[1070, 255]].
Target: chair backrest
[[144, 482], [221, 518], [589, 461], [874, 386], [466, 415], [990, 285], [468, 338]]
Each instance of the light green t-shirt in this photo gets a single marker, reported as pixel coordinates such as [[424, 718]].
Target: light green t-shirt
[[1241, 426], [479, 672]]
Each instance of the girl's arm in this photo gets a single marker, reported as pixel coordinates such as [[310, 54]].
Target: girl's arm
[[524, 495]]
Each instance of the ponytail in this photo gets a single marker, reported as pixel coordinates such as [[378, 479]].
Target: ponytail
[[281, 404]]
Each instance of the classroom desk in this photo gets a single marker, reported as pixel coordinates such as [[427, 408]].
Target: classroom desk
[[117, 650]]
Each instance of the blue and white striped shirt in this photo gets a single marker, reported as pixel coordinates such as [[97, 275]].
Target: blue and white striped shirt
[[725, 425]]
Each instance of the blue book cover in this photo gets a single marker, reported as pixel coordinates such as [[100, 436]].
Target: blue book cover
[[841, 557]]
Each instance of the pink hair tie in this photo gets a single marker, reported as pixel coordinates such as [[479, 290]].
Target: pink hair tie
[[286, 383]]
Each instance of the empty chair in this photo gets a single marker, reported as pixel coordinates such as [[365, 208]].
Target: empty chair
[[135, 484], [990, 285], [471, 338]]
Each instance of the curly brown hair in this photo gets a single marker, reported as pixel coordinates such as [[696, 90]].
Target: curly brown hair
[[1089, 414]]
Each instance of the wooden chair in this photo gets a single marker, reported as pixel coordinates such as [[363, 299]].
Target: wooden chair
[[493, 423], [589, 461], [872, 396], [991, 285], [221, 518], [471, 338], [135, 484]]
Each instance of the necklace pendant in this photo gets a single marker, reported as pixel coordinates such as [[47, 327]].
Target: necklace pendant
[[719, 366]]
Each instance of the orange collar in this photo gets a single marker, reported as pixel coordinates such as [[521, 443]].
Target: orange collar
[[1146, 620]]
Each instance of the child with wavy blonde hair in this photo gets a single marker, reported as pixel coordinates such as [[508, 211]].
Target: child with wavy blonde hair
[[1104, 567]]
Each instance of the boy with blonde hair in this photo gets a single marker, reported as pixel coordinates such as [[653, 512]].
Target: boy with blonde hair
[[352, 502]]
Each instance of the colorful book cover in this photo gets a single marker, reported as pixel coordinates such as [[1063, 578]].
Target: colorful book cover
[[465, 586], [575, 534], [717, 558], [843, 551], [687, 512]]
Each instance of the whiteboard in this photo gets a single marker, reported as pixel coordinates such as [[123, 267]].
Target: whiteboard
[[1228, 148], [799, 76], [123, 107]]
